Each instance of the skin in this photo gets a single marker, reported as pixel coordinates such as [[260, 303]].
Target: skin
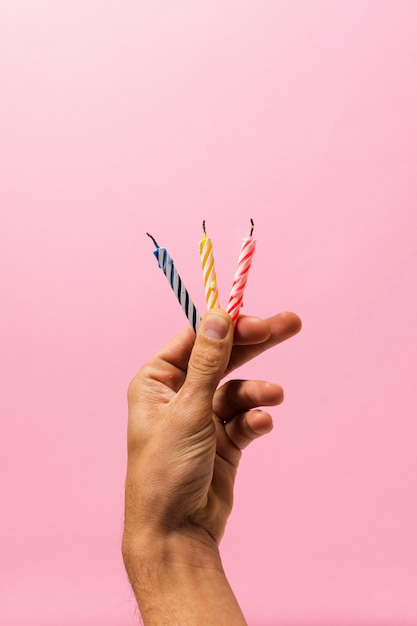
[[186, 434]]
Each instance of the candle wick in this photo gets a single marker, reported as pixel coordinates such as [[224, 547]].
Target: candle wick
[[156, 245], [204, 226], [252, 227]]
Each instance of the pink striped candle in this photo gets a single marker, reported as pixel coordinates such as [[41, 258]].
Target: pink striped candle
[[241, 276]]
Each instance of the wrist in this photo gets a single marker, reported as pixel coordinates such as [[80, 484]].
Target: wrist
[[178, 579], [193, 549]]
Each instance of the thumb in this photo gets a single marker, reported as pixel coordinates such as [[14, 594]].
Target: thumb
[[209, 358]]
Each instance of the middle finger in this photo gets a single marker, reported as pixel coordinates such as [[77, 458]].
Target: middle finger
[[237, 396]]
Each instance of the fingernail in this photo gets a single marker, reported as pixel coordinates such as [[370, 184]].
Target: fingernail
[[215, 327]]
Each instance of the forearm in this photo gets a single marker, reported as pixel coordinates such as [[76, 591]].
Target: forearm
[[179, 581]]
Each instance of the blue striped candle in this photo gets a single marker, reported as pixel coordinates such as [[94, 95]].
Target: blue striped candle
[[166, 264]]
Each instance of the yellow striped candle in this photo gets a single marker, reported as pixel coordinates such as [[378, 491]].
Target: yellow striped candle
[[209, 272]]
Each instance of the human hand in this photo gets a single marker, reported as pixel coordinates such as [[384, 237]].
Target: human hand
[[182, 457], [185, 437]]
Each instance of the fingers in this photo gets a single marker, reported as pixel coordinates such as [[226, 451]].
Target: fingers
[[252, 336], [170, 363], [247, 427], [208, 359], [235, 402], [177, 351], [164, 373], [282, 326], [251, 330], [237, 434], [237, 396]]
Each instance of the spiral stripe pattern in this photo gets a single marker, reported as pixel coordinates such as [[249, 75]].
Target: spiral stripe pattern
[[241, 276], [209, 273], [166, 263]]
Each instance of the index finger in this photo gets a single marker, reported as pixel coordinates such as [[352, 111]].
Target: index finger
[[282, 326]]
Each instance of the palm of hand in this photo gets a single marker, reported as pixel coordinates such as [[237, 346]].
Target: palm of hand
[[195, 457]]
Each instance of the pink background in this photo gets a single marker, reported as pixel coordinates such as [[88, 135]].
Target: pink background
[[122, 117]]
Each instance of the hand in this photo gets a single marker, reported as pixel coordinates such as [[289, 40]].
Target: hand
[[182, 459], [185, 435]]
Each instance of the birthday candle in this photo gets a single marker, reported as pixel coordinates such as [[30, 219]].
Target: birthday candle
[[209, 272], [166, 263], [241, 275]]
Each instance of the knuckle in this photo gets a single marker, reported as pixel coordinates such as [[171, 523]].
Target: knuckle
[[132, 389], [136, 384], [205, 362]]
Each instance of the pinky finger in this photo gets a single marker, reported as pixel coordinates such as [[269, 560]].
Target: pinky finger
[[246, 427]]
